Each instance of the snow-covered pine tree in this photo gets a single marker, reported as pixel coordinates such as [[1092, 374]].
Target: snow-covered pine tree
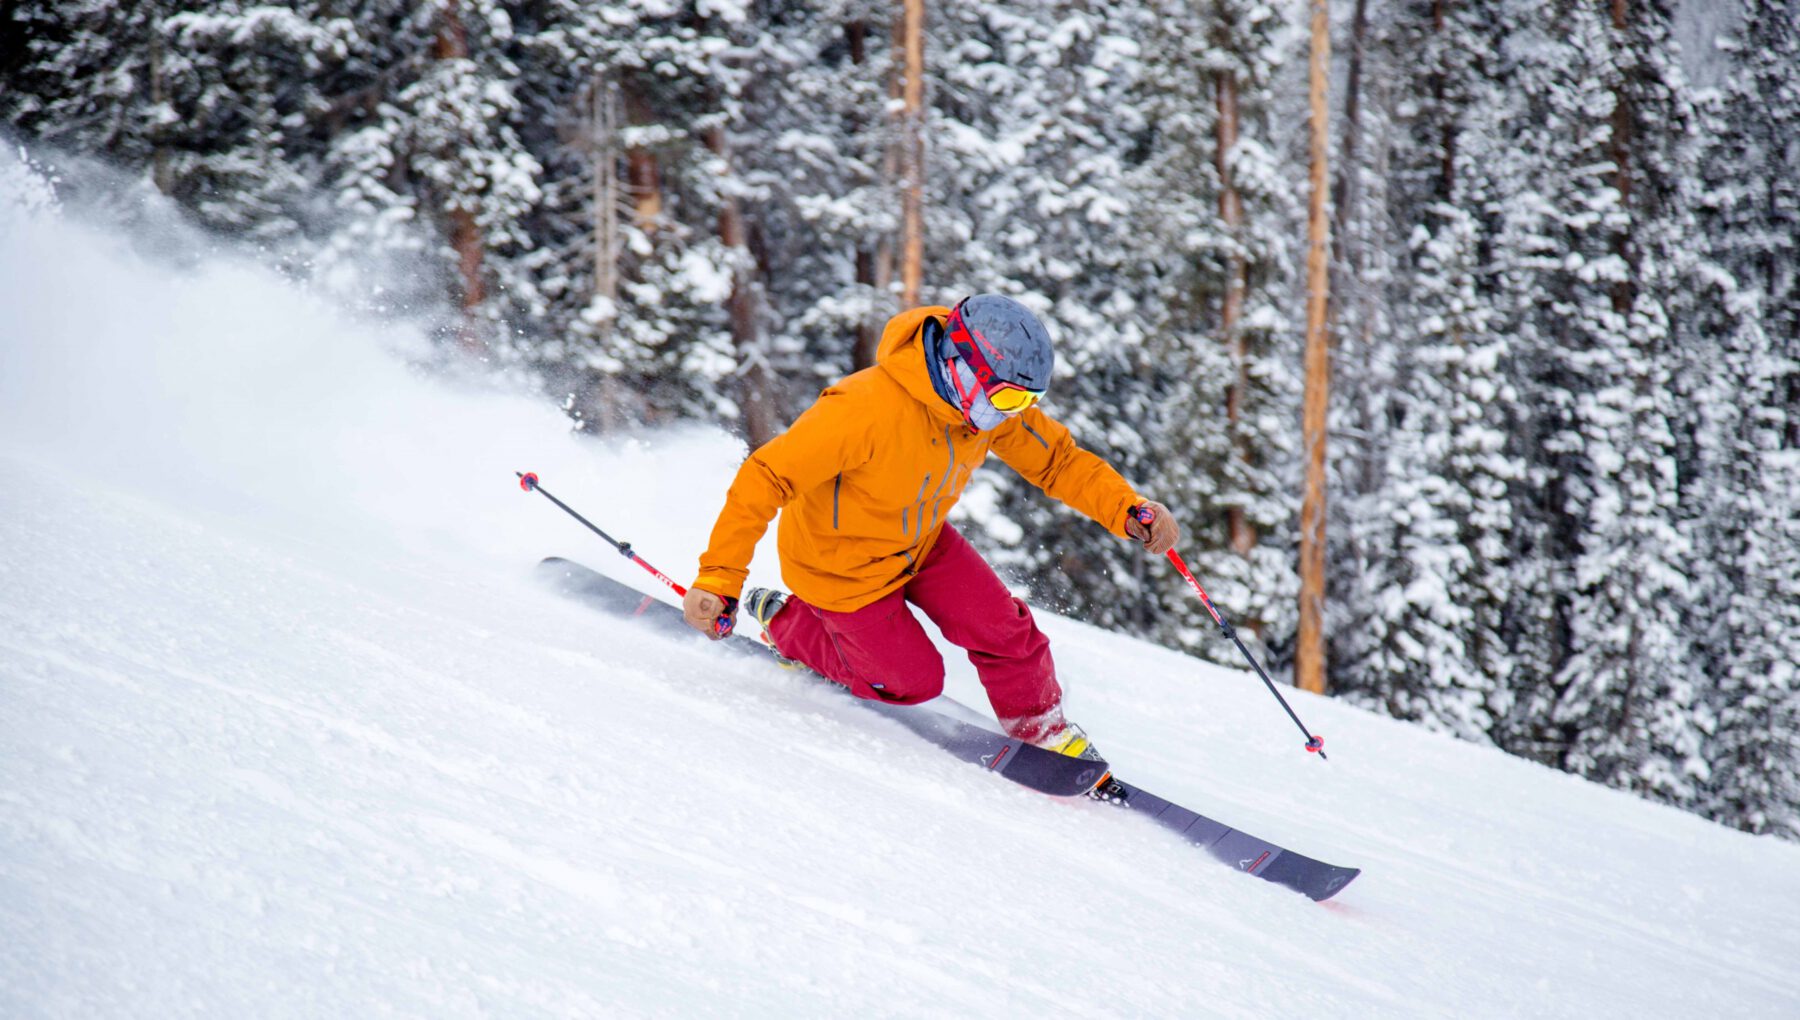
[[1746, 530], [619, 92], [476, 175], [1215, 208], [1743, 494], [431, 140], [204, 105], [1428, 645], [91, 76], [247, 91], [221, 106], [1421, 634], [1548, 197], [1632, 691], [690, 91], [828, 209], [1590, 239], [1378, 84]]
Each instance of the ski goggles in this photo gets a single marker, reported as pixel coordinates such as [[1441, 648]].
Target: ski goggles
[[1006, 396]]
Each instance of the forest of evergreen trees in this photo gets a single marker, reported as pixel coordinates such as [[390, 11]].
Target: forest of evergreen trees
[[1564, 428]]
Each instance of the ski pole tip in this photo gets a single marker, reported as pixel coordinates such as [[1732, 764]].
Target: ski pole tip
[[1316, 745], [527, 480]]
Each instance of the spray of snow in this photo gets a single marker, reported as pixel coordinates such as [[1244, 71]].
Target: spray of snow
[[226, 386]]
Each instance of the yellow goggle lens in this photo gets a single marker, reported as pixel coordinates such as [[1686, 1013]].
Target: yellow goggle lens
[[1012, 400]]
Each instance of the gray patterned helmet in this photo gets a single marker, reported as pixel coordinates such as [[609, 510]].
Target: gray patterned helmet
[[1004, 343]]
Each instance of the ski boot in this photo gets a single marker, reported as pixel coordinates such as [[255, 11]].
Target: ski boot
[[761, 605], [1073, 741]]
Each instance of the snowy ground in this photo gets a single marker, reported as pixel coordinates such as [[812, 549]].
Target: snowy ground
[[285, 730]]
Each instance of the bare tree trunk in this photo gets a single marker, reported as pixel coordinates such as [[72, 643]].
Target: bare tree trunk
[[1309, 653], [1346, 193], [643, 177], [1440, 9], [1348, 244], [453, 37], [465, 238], [912, 231], [1623, 293], [868, 331], [887, 247], [161, 174], [756, 397], [1231, 312], [868, 249], [604, 128], [601, 397], [452, 43]]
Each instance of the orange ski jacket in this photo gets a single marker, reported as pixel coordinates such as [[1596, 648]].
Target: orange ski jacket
[[865, 477]]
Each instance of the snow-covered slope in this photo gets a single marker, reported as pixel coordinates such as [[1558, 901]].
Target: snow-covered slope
[[285, 730]]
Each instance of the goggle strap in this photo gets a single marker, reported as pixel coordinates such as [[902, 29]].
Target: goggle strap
[[967, 396]]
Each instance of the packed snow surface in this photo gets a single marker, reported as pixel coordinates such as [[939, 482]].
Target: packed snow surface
[[285, 730]]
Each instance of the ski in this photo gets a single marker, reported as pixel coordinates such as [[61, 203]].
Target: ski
[[1023, 763], [1028, 765], [1240, 850]]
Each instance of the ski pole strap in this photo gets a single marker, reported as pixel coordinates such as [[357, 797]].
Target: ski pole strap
[[727, 621]]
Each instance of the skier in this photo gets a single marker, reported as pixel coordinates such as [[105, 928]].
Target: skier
[[865, 479]]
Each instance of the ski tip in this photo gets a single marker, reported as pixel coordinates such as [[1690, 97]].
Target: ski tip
[[1333, 884], [527, 480]]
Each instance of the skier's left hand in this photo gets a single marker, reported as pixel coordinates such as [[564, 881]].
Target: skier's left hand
[[1158, 536]]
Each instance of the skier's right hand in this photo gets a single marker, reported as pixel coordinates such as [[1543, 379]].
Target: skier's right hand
[[712, 615], [1160, 533]]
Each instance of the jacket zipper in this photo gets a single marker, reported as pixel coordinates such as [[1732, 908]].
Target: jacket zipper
[[937, 505]]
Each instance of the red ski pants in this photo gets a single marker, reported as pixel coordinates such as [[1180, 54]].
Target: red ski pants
[[881, 652]]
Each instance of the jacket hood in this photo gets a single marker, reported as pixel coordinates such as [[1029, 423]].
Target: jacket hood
[[901, 355]]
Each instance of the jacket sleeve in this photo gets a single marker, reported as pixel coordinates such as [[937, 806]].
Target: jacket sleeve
[[831, 436], [1042, 451]]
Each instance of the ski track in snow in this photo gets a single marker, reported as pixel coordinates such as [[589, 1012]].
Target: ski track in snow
[[285, 731]]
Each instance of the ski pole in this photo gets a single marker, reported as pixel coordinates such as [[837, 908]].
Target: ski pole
[[1314, 742], [528, 480]]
